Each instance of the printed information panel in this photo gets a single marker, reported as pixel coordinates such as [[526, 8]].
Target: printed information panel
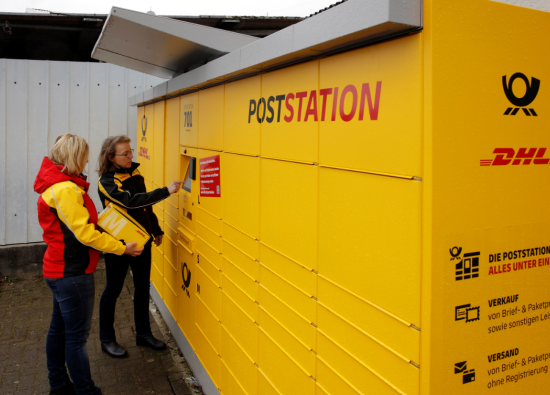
[[496, 311], [210, 176]]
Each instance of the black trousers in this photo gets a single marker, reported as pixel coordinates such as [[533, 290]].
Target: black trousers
[[116, 268]]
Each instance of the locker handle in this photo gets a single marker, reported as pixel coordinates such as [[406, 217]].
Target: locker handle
[[184, 246]]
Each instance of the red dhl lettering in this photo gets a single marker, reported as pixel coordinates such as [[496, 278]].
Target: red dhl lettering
[[143, 153], [524, 156], [297, 110]]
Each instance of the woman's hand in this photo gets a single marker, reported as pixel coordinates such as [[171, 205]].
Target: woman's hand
[[158, 240], [174, 186], [132, 250]]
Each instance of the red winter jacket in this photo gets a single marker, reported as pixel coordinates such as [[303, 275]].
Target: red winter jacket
[[68, 217]]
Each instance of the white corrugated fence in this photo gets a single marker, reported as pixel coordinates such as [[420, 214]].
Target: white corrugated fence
[[40, 100]]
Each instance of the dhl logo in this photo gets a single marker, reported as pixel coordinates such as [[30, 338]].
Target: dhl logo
[[270, 110], [524, 156]]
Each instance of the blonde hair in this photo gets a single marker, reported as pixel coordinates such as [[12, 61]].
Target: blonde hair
[[108, 150], [71, 152]]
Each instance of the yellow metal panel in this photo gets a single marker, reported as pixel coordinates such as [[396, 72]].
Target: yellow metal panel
[[243, 262], [241, 199], [299, 327], [161, 203], [158, 259], [186, 294], [289, 225], [209, 237], [161, 224], [205, 250], [387, 139], [320, 391], [297, 275], [212, 205], [265, 386], [158, 147], [282, 371], [170, 298], [241, 299], [170, 233], [211, 271], [186, 239], [302, 303], [172, 149], [170, 209], [244, 243], [241, 366], [505, 208], [392, 367], [208, 324], [170, 253], [170, 221], [356, 374], [329, 382], [393, 333], [148, 184], [173, 199], [208, 356], [239, 325], [189, 120], [289, 135], [209, 292], [159, 212], [209, 221], [230, 385], [238, 276], [211, 118], [242, 134], [145, 141], [301, 355], [157, 279], [364, 241]]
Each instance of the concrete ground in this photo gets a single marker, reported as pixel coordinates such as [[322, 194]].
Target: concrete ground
[[25, 313]]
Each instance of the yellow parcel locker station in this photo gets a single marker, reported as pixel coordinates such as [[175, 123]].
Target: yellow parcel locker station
[[120, 225], [364, 214]]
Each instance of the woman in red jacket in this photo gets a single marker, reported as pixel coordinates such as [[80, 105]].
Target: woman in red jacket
[[68, 218]]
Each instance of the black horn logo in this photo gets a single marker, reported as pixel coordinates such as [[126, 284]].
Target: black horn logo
[[144, 127], [186, 275], [530, 94]]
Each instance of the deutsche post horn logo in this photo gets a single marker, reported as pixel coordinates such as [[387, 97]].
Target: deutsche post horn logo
[[530, 94], [186, 276], [144, 128]]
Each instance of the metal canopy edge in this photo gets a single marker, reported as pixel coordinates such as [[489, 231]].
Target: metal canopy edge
[[350, 24], [161, 46]]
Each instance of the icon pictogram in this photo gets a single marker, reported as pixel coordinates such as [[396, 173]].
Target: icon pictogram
[[525, 100], [467, 313], [468, 376], [144, 128]]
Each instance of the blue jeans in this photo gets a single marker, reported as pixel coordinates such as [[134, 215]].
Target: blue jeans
[[73, 305]]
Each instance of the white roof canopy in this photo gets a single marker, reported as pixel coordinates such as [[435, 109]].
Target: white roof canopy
[[160, 46]]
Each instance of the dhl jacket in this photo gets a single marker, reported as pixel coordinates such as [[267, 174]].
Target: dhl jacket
[[126, 189], [68, 218]]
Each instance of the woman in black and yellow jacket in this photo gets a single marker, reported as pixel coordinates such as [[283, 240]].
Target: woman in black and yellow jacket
[[68, 218], [121, 183]]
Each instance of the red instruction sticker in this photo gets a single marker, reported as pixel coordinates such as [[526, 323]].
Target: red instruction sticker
[[210, 176]]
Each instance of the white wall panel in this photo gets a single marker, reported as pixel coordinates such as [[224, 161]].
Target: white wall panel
[[3, 168], [118, 100], [37, 135], [58, 121], [99, 122], [40, 100], [16, 151]]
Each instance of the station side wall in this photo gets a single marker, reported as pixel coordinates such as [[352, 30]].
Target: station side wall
[[487, 222]]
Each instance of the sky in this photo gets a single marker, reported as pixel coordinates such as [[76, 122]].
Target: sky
[[175, 7]]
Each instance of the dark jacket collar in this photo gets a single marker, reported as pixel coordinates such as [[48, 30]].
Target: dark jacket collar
[[130, 170]]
